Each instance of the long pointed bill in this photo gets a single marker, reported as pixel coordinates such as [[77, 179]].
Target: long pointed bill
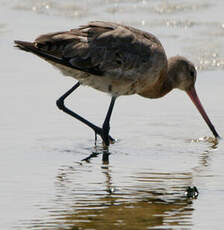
[[194, 97]]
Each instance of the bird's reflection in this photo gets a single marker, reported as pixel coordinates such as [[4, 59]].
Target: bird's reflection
[[99, 151], [96, 194], [205, 156], [110, 188]]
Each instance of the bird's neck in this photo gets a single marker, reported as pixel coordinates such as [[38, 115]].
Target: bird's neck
[[161, 87]]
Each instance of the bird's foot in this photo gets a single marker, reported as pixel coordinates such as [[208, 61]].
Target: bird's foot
[[111, 140], [106, 138]]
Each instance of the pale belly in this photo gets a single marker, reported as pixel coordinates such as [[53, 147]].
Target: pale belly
[[112, 84]]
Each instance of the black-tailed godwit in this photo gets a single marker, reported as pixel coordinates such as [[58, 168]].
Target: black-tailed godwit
[[116, 59]]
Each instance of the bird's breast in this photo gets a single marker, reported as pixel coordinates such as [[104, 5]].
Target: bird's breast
[[117, 81]]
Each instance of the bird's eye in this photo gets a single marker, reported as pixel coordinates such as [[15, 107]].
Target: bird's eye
[[192, 73]]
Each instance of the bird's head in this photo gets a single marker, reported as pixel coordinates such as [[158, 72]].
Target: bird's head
[[182, 75]]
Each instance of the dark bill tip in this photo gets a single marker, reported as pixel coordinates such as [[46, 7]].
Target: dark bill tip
[[194, 97]]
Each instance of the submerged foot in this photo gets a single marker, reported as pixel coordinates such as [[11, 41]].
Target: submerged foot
[[106, 138]]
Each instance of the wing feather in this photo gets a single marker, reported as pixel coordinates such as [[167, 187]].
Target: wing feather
[[102, 48], [103, 45]]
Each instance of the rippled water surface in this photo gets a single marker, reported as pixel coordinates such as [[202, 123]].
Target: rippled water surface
[[163, 145]]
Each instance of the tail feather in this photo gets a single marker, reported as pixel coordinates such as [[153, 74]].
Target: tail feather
[[23, 45], [30, 47]]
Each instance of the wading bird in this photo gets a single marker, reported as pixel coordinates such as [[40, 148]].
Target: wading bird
[[116, 59]]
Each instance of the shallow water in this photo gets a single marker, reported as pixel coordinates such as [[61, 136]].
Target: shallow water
[[163, 145]]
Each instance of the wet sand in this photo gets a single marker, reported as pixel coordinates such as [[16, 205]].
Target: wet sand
[[163, 145]]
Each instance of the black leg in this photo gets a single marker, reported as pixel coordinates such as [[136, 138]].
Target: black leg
[[106, 124], [61, 106]]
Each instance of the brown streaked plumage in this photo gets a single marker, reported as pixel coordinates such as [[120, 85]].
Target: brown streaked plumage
[[116, 59]]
